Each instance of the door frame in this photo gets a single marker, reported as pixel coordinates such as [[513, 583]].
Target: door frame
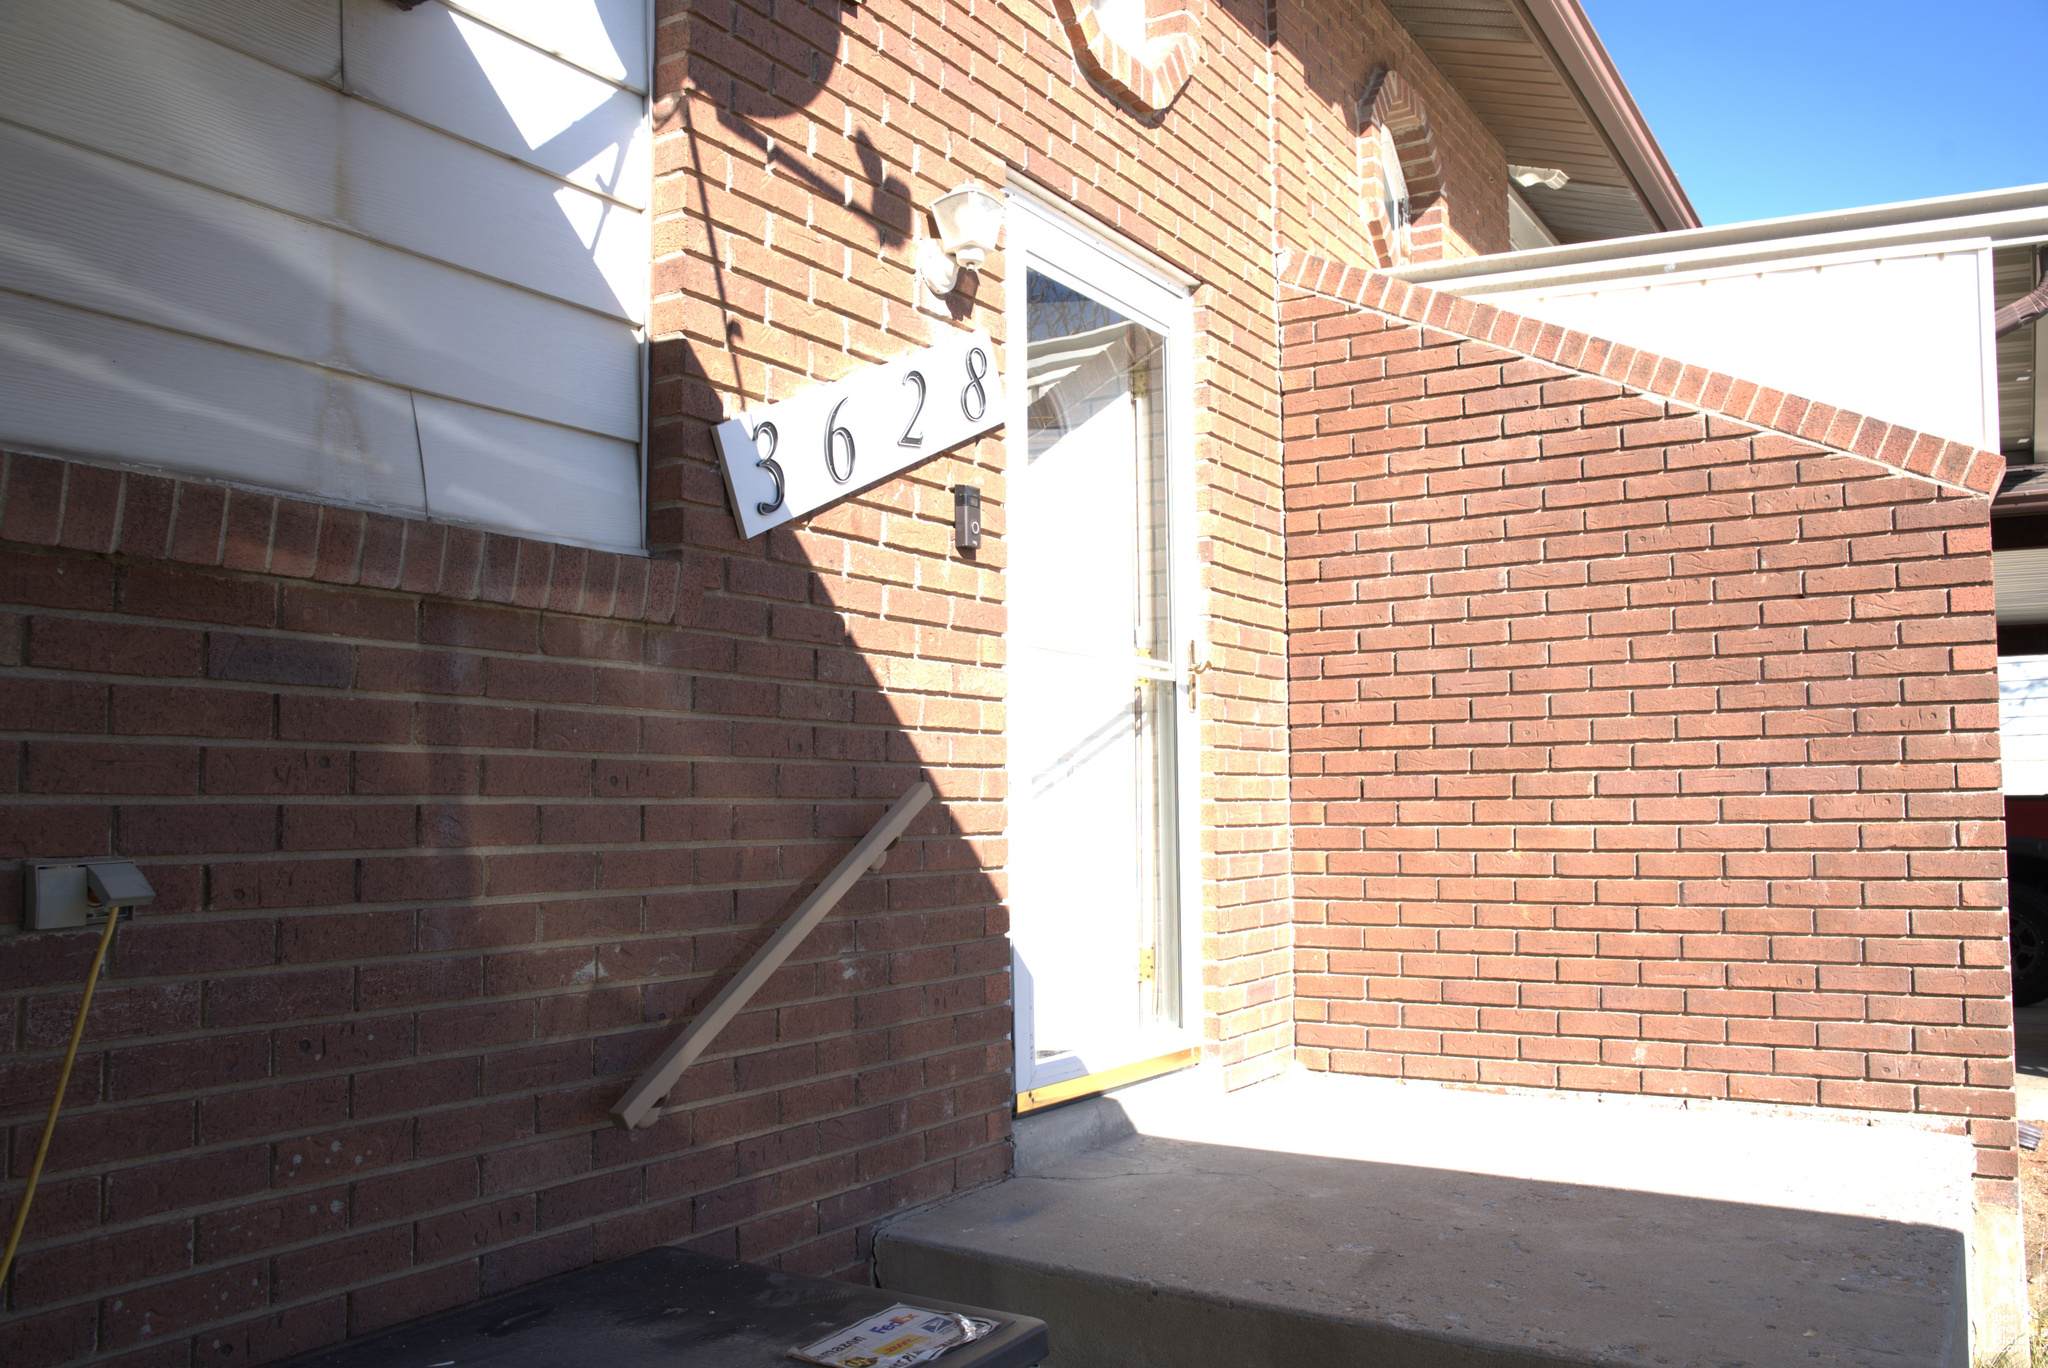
[[1041, 230]]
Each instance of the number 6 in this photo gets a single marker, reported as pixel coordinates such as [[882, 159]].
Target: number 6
[[832, 433]]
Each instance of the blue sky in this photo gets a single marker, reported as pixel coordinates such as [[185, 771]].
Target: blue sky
[[1796, 106]]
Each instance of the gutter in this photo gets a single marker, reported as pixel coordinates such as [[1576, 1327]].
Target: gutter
[[2019, 214], [1562, 29]]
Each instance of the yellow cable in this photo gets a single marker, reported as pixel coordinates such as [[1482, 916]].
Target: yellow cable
[[28, 1194]]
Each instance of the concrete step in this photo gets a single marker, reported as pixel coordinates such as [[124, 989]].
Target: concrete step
[[1318, 1219]]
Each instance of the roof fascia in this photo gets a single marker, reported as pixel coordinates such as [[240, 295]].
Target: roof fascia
[[1567, 36], [2012, 215]]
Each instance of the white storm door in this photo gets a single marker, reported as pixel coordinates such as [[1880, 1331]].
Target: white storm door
[[1097, 659]]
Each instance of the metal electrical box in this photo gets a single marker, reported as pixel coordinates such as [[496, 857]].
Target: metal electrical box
[[60, 893]]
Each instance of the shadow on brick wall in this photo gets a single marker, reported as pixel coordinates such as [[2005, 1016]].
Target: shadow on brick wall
[[451, 831]]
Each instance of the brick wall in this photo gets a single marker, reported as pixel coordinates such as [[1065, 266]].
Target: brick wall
[[451, 829], [794, 155], [1638, 747], [448, 831], [1333, 52]]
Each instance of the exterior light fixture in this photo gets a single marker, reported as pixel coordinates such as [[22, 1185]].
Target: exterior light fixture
[[1531, 176], [969, 219]]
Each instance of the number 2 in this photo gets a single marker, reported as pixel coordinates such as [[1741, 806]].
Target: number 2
[[911, 437]]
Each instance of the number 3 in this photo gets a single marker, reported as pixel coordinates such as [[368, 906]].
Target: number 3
[[768, 463]]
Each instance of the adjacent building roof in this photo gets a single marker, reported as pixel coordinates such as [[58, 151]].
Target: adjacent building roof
[[1536, 73]]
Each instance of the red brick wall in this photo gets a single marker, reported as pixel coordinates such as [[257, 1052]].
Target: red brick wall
[[795, 157], [451, 829], [1636, 748], [448, 831], [1330, 52]]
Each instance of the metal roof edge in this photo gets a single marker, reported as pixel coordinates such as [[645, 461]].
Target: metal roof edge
[[2014, 213]]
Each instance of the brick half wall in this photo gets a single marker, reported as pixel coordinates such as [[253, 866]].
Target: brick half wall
[[450, 832], [1637, 748]]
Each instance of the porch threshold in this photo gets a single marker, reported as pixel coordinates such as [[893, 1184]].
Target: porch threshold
[[1323, 1219], [1053, 1094]]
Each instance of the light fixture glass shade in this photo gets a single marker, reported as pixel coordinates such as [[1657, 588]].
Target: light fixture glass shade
[[970, 219]]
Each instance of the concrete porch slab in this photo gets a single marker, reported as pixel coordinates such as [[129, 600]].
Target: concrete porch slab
[[1321, 1219]]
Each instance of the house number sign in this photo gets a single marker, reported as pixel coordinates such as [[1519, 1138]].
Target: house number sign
[[795, 457]]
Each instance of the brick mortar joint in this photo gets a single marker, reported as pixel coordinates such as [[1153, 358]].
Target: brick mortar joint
[[1305, 274]]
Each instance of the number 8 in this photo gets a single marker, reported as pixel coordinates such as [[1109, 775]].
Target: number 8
[[973, 386]]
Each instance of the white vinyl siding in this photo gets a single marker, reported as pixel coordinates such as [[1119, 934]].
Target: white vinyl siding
[[328, 247]]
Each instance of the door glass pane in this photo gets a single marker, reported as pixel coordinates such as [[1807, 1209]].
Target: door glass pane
[[1094, 687]]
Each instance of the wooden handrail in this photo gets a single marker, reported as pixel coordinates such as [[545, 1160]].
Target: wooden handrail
[[638, 1106]]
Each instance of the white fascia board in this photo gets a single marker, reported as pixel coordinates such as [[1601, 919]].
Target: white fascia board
[[2005, 216], [1538, 275]]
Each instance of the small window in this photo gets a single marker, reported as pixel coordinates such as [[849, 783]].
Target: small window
[[1395, 206], [1400, 175], [1141, 55]]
